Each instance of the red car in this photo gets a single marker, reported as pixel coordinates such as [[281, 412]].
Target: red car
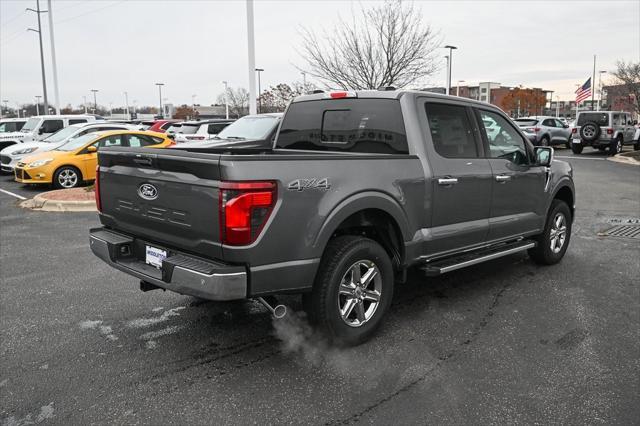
[[159, 126]]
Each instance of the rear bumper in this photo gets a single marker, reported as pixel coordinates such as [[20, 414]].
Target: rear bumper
[[180, 272]]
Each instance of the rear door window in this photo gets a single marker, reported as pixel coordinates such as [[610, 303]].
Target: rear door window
[[549, 122], [601, 119], [138, 141], [353, 125], [451, 130], [215, 128]]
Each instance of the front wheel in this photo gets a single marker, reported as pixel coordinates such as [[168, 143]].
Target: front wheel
[[554, 240], [615, 147], [67, 177], [352, 290], [576, 148]]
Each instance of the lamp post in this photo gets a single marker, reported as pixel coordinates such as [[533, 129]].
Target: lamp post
[[226, 98], [126, 104], [600, 87], [304, 81], [551, 101], [451, 49], [95, 101], [39, 31], [193, 105], [160, 97], [458, 87], [84, 103], [446, 79], [259, 70], [5, 102], [251, 52], [38, 104]]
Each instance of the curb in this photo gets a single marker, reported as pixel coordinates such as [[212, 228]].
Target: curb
[[39, 202], [620, 158]]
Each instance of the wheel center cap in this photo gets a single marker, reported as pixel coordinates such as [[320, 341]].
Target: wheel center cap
[[358, 292]]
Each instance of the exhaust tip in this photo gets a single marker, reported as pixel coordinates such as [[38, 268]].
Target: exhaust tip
[[279, 311]]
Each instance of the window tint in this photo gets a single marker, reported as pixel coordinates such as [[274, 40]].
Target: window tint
[[114, 140], [76, 121], [355, 125], [504, 140], [166, 125], [215, 128], [10, 126], [140, 140], [51, 126], [559, 123], [549, 122], [602, 119], [451, 130], [525, 122]]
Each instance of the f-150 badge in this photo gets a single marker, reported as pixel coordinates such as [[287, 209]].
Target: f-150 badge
[[314, 183]]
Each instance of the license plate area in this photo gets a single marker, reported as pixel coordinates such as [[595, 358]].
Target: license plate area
[[154, 256], [577, 141]]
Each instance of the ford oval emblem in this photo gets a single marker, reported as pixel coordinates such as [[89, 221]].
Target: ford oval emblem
[[148, 191]]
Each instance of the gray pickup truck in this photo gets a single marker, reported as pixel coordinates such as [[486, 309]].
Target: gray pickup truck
[[358, 187]]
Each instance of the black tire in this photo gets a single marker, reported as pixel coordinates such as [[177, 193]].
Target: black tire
[[567, 144], [616, 146], [543, 253], [590, 131], [63, 174], [576, 148], [342, 256], [544, 141], [636, 146]]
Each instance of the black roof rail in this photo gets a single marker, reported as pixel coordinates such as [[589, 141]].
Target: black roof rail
[[386, 88], [317, 91]]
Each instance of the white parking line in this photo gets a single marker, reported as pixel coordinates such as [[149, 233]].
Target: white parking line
[[13, 195], [580, 158]]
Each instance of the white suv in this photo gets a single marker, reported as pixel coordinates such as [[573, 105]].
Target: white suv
[[40, 126], [11, 155], [602, 130]]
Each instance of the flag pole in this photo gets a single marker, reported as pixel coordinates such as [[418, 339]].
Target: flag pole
[[593, 79]]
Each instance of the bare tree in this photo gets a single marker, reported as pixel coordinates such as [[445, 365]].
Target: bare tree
[[628, 75], [238, 101], [387, 45]]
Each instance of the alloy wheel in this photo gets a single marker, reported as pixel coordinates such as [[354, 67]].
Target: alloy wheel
[[558, 233], [67, 178], [359, 293]]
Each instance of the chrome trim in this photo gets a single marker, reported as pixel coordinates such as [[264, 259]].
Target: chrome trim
[[486, 258]]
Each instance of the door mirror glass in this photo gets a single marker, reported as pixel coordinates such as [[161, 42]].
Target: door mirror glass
[[544, 156], [41, 130], [566, 126], [91, 149]]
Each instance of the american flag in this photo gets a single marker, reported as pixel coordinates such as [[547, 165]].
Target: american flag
[[583, 91]]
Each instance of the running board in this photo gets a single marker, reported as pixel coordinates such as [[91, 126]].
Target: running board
[[462, 261]]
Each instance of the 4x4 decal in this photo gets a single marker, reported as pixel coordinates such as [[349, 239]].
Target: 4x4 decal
[[314, 183]]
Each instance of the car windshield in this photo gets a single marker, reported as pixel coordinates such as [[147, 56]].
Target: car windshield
[[31, 124], [600, 118], [78, 142], [188, 128], [61, 135], [249, 127], [525, 122]]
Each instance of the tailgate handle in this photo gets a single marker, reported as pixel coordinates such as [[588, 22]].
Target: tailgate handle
[[144, 160]]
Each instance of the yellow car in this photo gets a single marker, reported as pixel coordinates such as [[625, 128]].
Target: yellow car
[[75, 162]]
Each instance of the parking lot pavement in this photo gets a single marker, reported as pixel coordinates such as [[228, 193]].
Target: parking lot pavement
[[503, 342]]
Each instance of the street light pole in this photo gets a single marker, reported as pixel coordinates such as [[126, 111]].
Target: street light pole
[[259, 70], [193, 105], [160, 96], [38, 104], [126, 104], [600, 88], [458, 87], [226, 98], [95, 101], [451, 49], [251, 51], [304, 80], [446, 79], [39, 31], [5, 107], [551, 101], [84, 103], [56, 93]]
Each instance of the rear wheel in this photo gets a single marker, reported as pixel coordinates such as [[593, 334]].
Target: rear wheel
[[544, 141], [352, 290], [576, 148], [636, 146], [554, 240], [616, 146], [567, 144], [67, 177]]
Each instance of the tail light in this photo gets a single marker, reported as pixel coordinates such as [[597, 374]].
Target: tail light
[[341, 95], [97, 189], [574, 130], [245, 208], [609, 131], [536, 129]]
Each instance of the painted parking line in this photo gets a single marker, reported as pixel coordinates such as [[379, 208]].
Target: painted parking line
[[13, 195], [579, 158]]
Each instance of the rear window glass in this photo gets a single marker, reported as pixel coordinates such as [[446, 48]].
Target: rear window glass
[[521, 122], [354, 125], [597, 117]]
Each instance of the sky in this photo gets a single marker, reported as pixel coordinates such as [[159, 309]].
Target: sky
[[192, 46]]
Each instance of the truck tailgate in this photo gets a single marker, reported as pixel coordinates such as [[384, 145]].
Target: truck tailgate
[[170, 199]]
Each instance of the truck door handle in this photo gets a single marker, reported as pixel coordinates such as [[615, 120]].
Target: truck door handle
[[503, 178], [447, 181]]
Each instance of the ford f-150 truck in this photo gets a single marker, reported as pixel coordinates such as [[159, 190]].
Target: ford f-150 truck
[[357, 188]]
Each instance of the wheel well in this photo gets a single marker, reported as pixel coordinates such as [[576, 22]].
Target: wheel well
[[565, 195], [70, 166], [379, 226]]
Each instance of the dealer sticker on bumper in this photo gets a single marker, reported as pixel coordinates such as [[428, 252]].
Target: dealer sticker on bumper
[[155, 256]]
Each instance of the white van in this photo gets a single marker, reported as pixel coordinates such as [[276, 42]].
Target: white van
[[40, 126]]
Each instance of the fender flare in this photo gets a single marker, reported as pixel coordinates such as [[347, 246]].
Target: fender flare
[[358, 202]]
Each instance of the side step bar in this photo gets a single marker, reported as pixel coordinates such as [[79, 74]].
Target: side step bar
[[439, 267]]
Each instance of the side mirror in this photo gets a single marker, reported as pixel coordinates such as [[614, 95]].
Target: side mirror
[[566, 126], [91, 149], [41, 130], [630, 123], [635, 122], [544, 156]]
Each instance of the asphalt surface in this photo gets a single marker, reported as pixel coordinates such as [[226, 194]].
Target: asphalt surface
[[506, 342]]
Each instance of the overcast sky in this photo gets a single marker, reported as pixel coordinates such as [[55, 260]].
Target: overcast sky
[[191, 46]]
